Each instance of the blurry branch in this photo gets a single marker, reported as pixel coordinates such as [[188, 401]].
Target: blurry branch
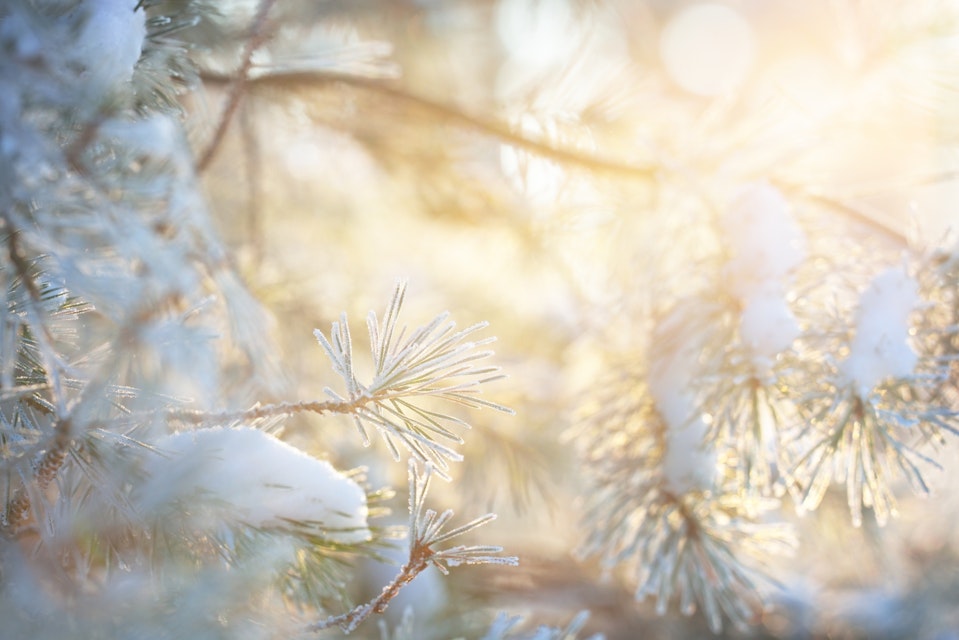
[[426, 531], [265, 411], [432, 362], [501, 131], [842, 206], [445, 113], [18, 507], [252, 173], [257, 36]]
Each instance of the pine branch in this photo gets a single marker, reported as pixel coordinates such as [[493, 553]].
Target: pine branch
[[501, 131], [425, 531], [261, 412], [705, 545], [432, 362]]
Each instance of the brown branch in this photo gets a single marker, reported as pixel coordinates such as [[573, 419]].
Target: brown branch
[[22, 266], [451, 115], [253, 174], [257, 37], [420, 556]]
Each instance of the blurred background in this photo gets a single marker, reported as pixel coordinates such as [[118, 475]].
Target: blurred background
[[553, 167]]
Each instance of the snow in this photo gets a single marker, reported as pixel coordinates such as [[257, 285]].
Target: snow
[[765, 245], [251, 477], [767, 325], [688, 464], [764, 241], [110, 42], [880, 348]]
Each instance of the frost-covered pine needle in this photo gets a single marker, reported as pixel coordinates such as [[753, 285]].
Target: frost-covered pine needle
[[412, 371]]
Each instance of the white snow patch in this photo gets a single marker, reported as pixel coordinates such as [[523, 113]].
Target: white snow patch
[[767, 325], [251, 477], [880, 348], [764, 241], [765, 245], [110, 42], [688, 464]]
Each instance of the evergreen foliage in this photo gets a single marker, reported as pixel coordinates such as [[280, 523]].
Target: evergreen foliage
[[717, 291]]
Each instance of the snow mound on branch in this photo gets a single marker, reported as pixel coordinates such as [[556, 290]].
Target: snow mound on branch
[[765, 245], [880, 348], [248, 476], [767, 325], [688, 463], [110, 42], [764, 241]]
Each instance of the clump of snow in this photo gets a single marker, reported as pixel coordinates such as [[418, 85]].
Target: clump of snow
[[880, 348], [767, 325], [764, 241], [765, 245], [688, 464], [248, 476], [18, 37], [110, 41], [426, 595]]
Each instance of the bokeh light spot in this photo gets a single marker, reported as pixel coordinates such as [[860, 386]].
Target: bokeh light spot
[[708, 49]]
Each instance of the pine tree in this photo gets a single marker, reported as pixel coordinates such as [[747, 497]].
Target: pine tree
[[701, 233]]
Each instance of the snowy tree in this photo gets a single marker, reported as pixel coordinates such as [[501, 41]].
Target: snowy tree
[[714, 238]]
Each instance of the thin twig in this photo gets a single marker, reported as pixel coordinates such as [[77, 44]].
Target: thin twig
[[844, 207], [267, 411], [419, 559], [256, 38]]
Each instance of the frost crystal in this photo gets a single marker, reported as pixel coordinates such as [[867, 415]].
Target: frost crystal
[[880, 348], [262, 481]]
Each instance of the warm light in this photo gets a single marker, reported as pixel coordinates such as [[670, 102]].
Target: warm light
[[708, 49], [535, 31]]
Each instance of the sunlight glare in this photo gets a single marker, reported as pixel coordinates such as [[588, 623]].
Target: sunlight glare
[[535, 32]]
